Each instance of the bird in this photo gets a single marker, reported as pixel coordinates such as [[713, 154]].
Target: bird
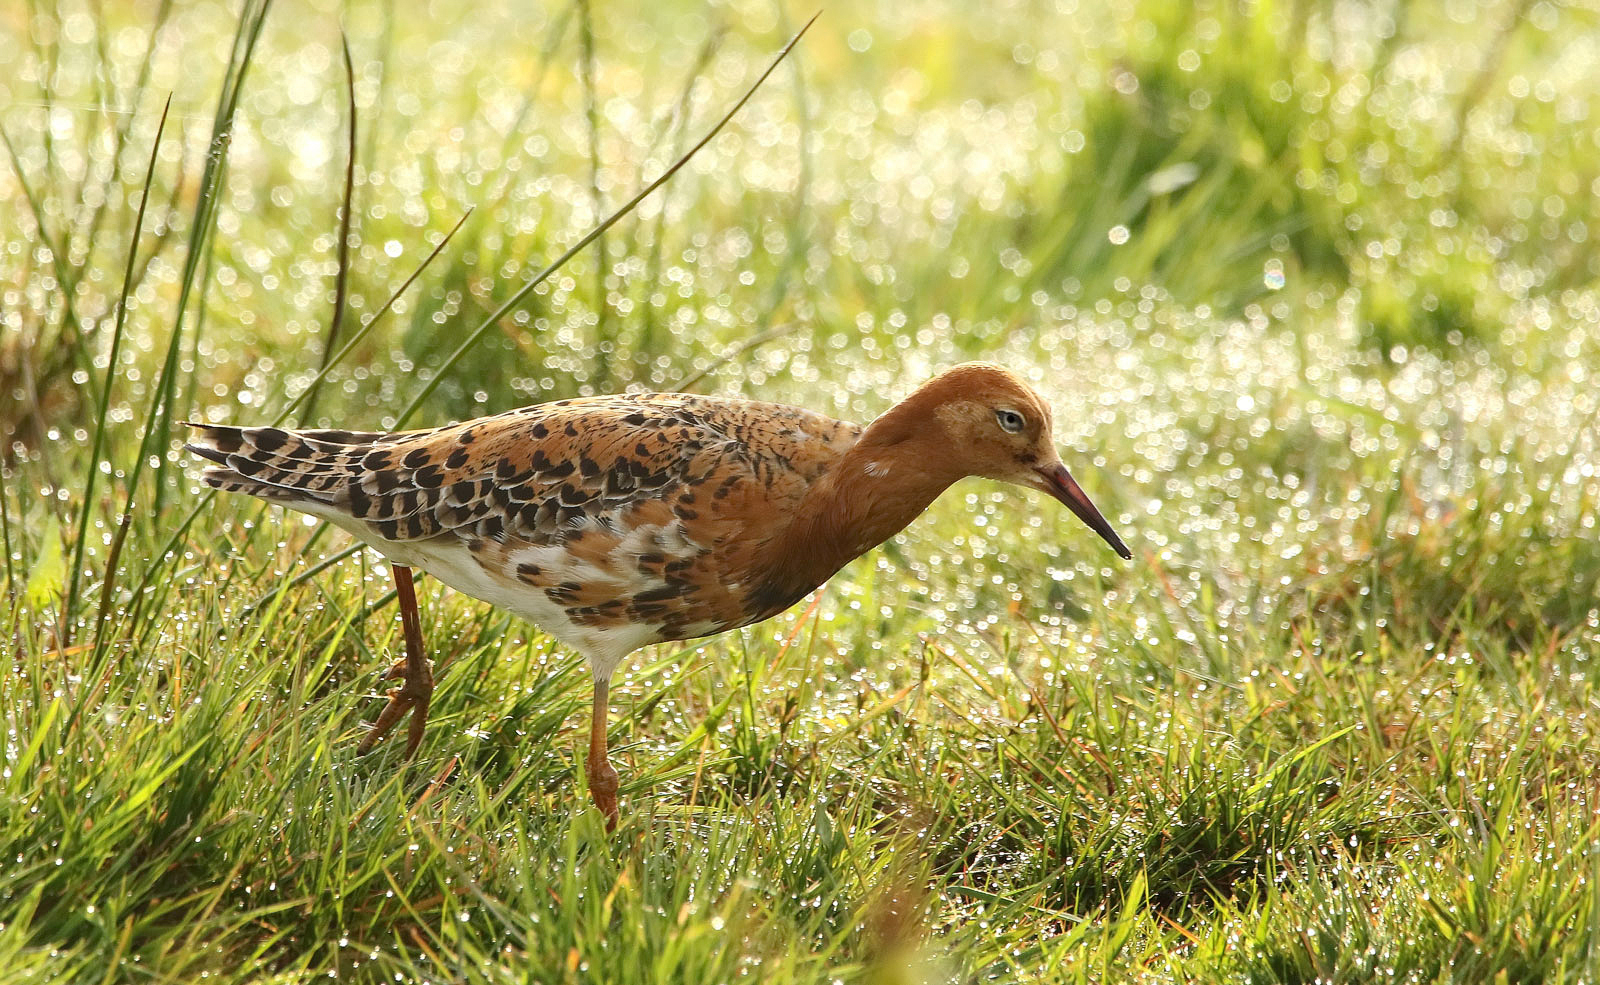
[[614, 522]]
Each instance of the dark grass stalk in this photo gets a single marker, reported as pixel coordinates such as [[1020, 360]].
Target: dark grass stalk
[[213, 179], [341, 284], [605, 342], [527, 288], [204, 501], [158, 416], [200, 242], [97, 446], [5, 533], [104, 396]]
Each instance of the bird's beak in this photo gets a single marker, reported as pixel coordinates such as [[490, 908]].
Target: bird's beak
[[1058, 482]]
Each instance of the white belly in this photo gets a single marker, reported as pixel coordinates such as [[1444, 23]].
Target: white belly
[[448, 559]]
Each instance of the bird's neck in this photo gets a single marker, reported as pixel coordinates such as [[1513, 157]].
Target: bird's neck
[[887, 478]]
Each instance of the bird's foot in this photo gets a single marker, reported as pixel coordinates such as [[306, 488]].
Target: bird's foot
[[413, 695], [603, 784]]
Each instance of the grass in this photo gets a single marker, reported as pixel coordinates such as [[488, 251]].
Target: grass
[[1308, 284]]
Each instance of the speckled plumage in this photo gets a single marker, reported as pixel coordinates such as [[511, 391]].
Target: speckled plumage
[[614, 522], [611, 522]]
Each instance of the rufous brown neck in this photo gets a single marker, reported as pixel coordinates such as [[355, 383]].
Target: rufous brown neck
[[889, 476]]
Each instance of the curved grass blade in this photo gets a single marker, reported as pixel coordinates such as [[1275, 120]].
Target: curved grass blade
[[594, 234]]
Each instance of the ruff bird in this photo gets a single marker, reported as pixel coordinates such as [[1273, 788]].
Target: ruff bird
[[619, 521]]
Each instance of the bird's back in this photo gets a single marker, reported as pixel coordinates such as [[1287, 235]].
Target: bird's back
[[611, 522]]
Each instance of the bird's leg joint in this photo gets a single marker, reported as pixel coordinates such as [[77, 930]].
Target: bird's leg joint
[[603, 779], [412, 685]]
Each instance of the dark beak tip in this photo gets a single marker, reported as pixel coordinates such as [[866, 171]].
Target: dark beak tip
[[1060, 484], [1112, 538]]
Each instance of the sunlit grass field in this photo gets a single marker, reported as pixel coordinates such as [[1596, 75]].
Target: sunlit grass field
[[1312, 287]]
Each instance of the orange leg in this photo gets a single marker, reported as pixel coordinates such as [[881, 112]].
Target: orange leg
[[602, 778], [416, 691]]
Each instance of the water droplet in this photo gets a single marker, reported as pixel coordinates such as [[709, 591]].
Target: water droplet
[[1170, 179], [1118, 235]]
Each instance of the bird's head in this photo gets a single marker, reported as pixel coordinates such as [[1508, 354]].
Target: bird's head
[[992, 424]]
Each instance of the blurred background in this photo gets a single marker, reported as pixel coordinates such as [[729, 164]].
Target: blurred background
[[920, 183], [1231, 241], [1309, 283]]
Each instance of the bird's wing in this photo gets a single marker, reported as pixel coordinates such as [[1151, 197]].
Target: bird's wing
[[658, 501], [528, 471]]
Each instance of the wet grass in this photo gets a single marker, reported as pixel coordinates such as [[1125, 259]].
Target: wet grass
[[1307, 284]]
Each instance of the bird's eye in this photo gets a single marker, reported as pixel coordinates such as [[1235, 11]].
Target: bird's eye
[[1009, 420]]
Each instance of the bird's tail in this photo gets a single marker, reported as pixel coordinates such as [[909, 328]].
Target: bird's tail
[[294, 468]]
